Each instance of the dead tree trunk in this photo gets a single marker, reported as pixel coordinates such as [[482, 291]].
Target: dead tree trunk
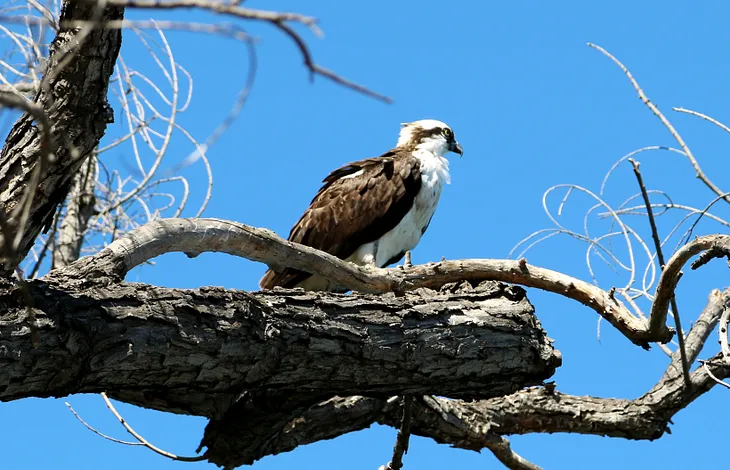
[[73, 98]]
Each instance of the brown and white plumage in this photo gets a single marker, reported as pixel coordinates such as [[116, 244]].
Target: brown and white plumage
[[372, 211]]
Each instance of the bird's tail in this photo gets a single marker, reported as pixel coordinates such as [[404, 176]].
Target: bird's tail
[[287, 278], [268, 281]]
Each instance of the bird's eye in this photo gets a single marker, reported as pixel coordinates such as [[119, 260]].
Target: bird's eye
[[448, 133]]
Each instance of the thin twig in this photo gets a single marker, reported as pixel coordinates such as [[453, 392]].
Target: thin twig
[[279, 20], [50, 240], [143, 441], [407, 263], [404, 434], [698, 171], [660, 257], [702, 213], [99, 433], [644, 99]]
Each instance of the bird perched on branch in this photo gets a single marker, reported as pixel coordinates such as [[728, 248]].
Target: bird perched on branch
[[372, 211]]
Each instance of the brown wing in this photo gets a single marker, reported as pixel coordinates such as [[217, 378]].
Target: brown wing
[[353, 209]]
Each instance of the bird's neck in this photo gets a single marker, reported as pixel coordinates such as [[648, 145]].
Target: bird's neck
[[434, 166], [437, 147]]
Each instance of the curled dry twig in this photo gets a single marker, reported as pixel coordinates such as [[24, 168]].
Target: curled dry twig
[[625, 258]]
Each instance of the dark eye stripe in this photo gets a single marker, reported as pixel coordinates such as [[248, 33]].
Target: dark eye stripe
[[421, 134]]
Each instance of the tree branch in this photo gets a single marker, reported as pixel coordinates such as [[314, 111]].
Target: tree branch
[[194, 236], [716, 245], [279, 20], [196, 351], [502, 449], [644, 99], [660, 258], [471, 425], [404, 435]]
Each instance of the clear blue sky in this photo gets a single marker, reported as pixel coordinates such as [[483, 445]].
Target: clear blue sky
[[532, 107]]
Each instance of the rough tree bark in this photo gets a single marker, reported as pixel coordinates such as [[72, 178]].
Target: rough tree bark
[[73, 96], [197, 351]]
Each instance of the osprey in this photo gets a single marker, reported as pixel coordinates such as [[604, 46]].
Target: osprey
[[370, 212]]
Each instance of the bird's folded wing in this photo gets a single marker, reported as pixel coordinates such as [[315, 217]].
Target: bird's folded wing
[[358, 204]]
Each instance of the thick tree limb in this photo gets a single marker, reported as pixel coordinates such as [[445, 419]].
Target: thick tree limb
[[470, 425], [196, 351], [474, 425], [73, 97]]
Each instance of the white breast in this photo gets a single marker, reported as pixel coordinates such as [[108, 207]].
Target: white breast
[[406, 235]]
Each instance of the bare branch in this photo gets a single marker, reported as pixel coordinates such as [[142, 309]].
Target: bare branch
[[713, 376], [279, 20], [502, 449], [472, 425], [469, 425], [99, 433], [717, 303], [194, 236], [644, 99], [711, 245], [230, 9], [660, 257], [404, 434], [18, 88], [724, 320]]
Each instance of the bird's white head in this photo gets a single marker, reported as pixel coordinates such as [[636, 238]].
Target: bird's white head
[[429, 135]]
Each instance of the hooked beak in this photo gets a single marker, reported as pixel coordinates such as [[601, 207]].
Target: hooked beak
[[456, 148]]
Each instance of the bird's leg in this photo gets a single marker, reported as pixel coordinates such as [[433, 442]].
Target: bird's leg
[[407, 261]]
